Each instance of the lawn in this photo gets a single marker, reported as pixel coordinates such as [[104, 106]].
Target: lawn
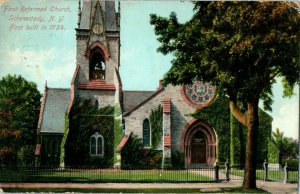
[[169, 190], [273, 175], [102, 175]]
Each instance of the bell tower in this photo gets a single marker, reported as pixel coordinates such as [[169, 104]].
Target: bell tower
[[98, 52]]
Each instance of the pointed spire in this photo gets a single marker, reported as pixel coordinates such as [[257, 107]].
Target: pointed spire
[[79, 13], [119, 15]]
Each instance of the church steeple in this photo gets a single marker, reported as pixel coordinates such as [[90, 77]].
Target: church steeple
[[79, 13], [98, 40], [105, 12]]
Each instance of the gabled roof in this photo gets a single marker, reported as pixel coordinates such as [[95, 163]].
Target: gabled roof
[[55, 106], [123, 142], [132, 99]]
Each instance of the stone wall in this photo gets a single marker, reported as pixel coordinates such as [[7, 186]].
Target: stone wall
[[104, 98], [179, 109]]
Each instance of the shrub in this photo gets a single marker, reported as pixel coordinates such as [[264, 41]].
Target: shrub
[[25, 156], [292, 164]]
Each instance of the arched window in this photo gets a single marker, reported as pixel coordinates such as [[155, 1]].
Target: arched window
[[97, 104], [97, 65], [96, 145], [146, 133]]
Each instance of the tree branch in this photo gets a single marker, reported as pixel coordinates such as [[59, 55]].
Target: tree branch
[[237, 113]]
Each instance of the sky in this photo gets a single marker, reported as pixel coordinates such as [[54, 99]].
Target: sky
[[49, 54]]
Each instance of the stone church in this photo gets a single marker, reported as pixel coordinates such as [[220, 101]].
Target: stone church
[[97, 78]]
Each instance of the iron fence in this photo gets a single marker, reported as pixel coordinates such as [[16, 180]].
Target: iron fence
[[141, 174]]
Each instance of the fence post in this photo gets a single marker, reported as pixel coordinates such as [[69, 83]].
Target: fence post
[[216, 173], [227, 170], [286, 173], [265, 170]]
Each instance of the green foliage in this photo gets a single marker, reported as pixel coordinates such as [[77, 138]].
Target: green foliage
[[240, 47], [25, 156], [239, 139], [63, 142], [228, 128], [19, 107], [135, 156], [236, 45], [287, 147], [292, 164], [156, 121], [19, 112], [217, 115], [177, 159], [117, 129], [84, 121], [237, 142], [264, 133], [273, 153]]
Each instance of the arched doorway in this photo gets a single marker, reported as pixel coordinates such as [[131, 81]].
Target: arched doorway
[[198, 152], [199, 143]]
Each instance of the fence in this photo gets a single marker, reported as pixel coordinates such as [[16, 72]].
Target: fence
[[265, 172], [142, 174], [89, 175]]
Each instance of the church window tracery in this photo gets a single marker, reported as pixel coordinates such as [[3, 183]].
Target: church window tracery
[[96, 145]]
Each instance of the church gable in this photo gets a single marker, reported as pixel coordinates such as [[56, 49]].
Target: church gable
[[53, 113]]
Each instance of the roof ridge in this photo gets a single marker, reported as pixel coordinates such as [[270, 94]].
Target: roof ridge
[[143, 102]]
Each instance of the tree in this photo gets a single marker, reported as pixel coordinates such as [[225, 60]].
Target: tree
[[240, 47], [19, 110], [286, 146]]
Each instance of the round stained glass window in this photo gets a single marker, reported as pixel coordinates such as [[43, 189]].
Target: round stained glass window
[[199, 93]]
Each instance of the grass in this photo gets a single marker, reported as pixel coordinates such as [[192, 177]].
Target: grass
[[273, 175], [169, 190], [103, 175]]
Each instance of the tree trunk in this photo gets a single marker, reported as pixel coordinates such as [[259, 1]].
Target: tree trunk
[[251, 148]]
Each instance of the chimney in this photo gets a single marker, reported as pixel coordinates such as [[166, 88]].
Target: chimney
[[160, 84]]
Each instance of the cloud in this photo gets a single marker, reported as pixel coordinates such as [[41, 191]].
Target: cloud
[[54, 65], [287, 120]]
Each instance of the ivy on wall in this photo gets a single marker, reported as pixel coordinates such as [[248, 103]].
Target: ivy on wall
[[238, 145], [84, 121], [134, 155], [237, 142], [117, 129], [217, 115], [227, 128], [63, 142], [156, 121]]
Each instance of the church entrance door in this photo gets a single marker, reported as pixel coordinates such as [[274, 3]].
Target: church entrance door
[[198, 142], [198, 149]]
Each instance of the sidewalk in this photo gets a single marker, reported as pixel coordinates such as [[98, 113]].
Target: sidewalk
[[271, 187]]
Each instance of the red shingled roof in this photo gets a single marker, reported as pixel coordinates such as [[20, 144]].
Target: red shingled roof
[[167, 105], [123, 142], [167, 141], [96, 85]]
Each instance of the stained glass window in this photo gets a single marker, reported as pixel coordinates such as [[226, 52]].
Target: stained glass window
[[146, 133], [199, 92], [96, 145]]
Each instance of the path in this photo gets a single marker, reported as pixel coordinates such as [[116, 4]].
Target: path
[[271, 187]]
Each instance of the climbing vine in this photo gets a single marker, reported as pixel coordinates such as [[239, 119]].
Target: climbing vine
[[84, 121], [156, 121]]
